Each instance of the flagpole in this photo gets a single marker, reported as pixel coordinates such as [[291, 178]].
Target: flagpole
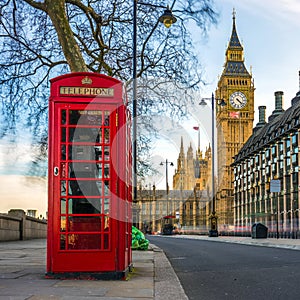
[[199, 138], [198, 129]]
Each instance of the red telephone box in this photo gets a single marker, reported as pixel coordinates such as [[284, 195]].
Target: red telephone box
[[89, 171]]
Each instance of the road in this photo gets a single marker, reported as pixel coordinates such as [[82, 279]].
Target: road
[[216, 271]]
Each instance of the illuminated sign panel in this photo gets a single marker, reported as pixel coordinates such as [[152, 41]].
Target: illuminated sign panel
[[86, 91]]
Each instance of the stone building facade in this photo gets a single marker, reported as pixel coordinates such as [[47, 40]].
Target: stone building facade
[[193, 170], [187, 206], [187, 210], [270, 154]]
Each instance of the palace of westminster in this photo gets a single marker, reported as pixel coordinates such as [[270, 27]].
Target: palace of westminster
[[249, 159]]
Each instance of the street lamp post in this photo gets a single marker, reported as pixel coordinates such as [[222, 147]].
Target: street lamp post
[[213, 232], [167, 183], [167, 19]]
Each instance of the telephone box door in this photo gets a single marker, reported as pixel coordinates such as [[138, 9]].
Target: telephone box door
[[83, 185]]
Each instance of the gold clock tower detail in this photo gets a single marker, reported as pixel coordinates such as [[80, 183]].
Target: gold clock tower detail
[[234, 122]]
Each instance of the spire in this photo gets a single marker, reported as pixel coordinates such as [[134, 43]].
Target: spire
[[234, 64], [181, 157], [181, 153], [190, 152], [234, 40], [181, 145]]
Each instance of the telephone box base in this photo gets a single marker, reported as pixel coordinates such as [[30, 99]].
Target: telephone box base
[[117, 275]]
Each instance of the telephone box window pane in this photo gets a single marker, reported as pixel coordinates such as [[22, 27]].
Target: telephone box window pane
[[106, 241], [99, 136], [106, 231], [91, 117], [83, 152], [63, 206], [96, 204], [71, 240], [84, 135], [106, 205], [106, 171], [98, 152], [106, 135], [106, 153], [78, 152], [85, 206], [84, 241], [70, 205], [99, 170], [85, 117], [85, 188], [106, 224], [63, 170], [63, 152], [86, 224], [63, 224], [63, 188], [63, 135], [63, 117], [106, 188], [106, 118], [74, 117], [83, 170], [62, 242]]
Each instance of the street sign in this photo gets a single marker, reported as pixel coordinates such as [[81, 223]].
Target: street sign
[[275, 186]]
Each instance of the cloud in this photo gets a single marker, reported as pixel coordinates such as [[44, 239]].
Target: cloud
[[277, 11], [14, 158]]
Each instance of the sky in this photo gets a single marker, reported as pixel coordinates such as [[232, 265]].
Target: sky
[[269, 31]]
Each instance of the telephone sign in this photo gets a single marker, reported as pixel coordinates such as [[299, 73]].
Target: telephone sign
[[89, 176]]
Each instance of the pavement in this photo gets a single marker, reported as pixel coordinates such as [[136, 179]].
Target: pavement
[[23, 266]]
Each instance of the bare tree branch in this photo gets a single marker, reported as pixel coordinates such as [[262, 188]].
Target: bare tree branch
[[43, 39]]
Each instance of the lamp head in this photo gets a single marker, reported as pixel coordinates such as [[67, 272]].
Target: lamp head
[[222, 103], [167, 18], [202, 102]]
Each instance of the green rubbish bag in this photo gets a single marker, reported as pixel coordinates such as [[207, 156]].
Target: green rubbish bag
[[139, 242]]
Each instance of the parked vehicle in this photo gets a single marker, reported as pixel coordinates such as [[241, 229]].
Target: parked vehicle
[[167, 229]]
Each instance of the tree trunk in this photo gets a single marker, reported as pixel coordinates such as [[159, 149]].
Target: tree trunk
[[57, 13]]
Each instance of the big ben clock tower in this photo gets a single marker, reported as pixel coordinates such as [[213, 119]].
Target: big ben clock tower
[[234, 121]]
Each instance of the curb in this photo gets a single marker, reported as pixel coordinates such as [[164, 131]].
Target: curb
[[166, 283]]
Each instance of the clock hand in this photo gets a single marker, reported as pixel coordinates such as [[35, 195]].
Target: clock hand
[[238, 100]]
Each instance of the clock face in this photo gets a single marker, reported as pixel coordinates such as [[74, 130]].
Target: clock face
[[238, 100]]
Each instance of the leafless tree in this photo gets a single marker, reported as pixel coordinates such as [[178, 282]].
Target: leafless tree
[[40, 39]]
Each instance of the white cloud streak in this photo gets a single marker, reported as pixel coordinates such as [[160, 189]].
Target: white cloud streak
[[279, 10]]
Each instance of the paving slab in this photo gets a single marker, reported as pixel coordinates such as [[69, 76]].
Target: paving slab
[[23, 266], [22, 276]]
